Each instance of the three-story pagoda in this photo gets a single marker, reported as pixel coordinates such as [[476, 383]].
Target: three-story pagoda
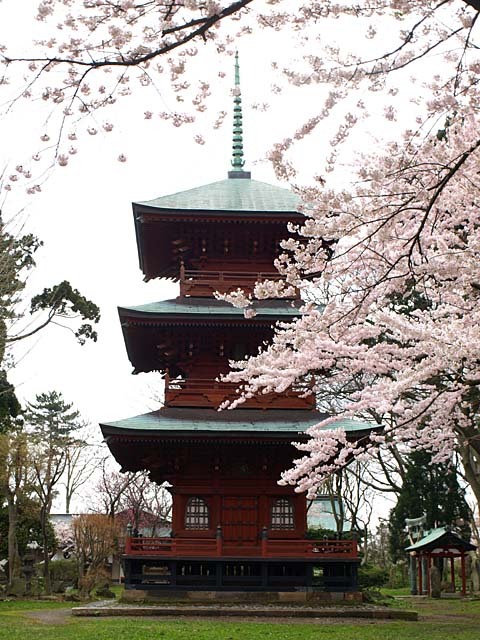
[[233, 527]]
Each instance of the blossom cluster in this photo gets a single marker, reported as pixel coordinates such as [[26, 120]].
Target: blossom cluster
[[394, 338]]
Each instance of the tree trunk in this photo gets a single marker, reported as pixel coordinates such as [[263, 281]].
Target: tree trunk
[[365, 546], [84, 584], [13, 556], [46, 556], [472, 471], [68, 499]]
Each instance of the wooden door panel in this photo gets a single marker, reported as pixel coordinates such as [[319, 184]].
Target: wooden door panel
[[240, 519]]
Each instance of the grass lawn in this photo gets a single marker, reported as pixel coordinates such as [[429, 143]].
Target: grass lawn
[[33, 620], [399, 591]]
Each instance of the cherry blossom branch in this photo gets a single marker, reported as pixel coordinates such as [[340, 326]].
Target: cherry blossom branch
[[201, 26]]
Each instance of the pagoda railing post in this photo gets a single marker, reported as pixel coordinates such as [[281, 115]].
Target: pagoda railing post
[[182, 278], [264, 539], [355, 547], [128, 539], [219, 540]]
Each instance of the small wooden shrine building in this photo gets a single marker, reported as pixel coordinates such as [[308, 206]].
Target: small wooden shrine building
[[234, 528], [440, 543]]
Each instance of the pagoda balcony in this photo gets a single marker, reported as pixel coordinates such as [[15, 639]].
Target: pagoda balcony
[[216, 547], [204, 284], [207, 393]]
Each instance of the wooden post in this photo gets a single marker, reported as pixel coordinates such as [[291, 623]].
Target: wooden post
[[355, 548], [173, 573], [429, 565], [464, 577], [420, 576], [128, 539], [452, 573], [264, 539], [167, 384], [218, 574], [264, 574], [219, 539]]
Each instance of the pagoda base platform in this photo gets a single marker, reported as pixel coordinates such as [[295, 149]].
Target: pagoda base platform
[[241, 575], [179, 596]]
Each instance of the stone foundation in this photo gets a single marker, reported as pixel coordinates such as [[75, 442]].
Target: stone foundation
[[298, 597]]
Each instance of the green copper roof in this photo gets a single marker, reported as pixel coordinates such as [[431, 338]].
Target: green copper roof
[[435, 535], [230, 195], [432, 536], [209, 307], [289, 422]]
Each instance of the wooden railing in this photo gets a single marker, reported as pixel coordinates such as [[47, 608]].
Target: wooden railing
[[299, 548], [202, 392], [171, 546], [215, 547], [205, 283]]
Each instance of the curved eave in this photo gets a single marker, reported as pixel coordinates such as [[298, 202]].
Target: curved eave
[[180, 423], [202, 309], [195, 309], [168, 214], [141, 325], [134, 437]]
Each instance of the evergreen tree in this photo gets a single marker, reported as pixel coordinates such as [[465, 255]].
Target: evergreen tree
[[28, 527], [9, 404], [432, 489], [52, 424]]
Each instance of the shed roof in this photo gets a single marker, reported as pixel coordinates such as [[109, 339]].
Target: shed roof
[[232, 195]]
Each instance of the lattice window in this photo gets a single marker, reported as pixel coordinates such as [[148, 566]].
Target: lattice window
[[196, 514], [282, 514]]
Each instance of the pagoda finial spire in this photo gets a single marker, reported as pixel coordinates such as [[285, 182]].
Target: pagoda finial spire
[[237, 147]]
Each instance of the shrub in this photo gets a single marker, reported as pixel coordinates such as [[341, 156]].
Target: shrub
[[398, 575], [371, 576], [64, 572], [318, 533]]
